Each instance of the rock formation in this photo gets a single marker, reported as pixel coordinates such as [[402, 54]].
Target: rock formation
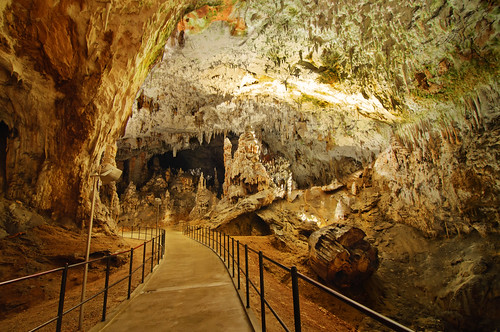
[[245, 174], [340, 255], [204, 200], [69, 72]]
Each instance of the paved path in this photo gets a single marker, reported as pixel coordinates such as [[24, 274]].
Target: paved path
[[190, 291]]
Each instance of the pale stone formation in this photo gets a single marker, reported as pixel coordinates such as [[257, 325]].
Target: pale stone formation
[[204, 200], [228, 156], [245, 174], [341, 210], [178, 198]]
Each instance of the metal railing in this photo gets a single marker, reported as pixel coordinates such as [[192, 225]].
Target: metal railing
[[224, 246], [157, 251], [139, 232]]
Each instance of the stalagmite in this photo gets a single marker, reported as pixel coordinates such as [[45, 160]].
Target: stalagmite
[[341, 211]]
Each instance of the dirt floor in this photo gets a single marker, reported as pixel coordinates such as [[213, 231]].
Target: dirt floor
[[319, 311], [27, 304]]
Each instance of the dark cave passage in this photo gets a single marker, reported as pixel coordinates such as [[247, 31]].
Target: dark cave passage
[[207, 158]]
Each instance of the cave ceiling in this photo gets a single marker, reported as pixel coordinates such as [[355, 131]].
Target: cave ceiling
[[318, 81]]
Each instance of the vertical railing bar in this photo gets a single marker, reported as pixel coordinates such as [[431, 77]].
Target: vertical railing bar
[[164, 243], [106, 285], [262, 296], [224, 235], [158, 256], [246, 275], [238, 251], [143, 261], [232, 249], [130, 272], [62, 294], [296, 299], [152, 253]]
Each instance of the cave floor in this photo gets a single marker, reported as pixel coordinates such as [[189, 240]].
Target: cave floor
[[190, 291]]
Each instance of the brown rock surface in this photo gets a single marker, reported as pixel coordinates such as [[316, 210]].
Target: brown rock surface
[[340, 255], [69, 71]]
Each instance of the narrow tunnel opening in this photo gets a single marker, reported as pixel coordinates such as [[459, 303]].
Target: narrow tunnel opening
[[4, 133]]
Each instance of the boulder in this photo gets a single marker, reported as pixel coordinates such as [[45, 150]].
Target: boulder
[[340, 255]]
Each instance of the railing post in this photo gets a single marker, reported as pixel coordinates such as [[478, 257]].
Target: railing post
[[62, 294], [228, 253], [262, 296], [224, 235], [130, 272], [106, 285], [152, 253], [220, 244], [238, 254], [163, 240], [122, 231], [232, 255], [296, 301], [246, 275], [143, 261], [158, 252]]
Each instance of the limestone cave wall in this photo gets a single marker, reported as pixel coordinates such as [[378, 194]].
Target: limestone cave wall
[[69, 71], [410, 90]]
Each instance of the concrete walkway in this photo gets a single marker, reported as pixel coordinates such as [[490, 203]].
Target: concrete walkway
[[190, 291]]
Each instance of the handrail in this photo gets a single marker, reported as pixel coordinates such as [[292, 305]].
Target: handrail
[[156, 253], [216, 241], [7, 282], [367, 311]]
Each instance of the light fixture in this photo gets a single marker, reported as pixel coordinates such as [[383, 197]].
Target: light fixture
[[107, 173]]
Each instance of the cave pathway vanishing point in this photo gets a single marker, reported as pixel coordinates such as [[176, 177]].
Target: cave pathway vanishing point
[[190, 291]]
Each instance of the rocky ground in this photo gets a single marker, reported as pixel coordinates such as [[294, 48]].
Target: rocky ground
[[45, 246]]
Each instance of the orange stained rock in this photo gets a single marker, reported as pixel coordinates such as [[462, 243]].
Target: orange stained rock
[[212, 14]]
